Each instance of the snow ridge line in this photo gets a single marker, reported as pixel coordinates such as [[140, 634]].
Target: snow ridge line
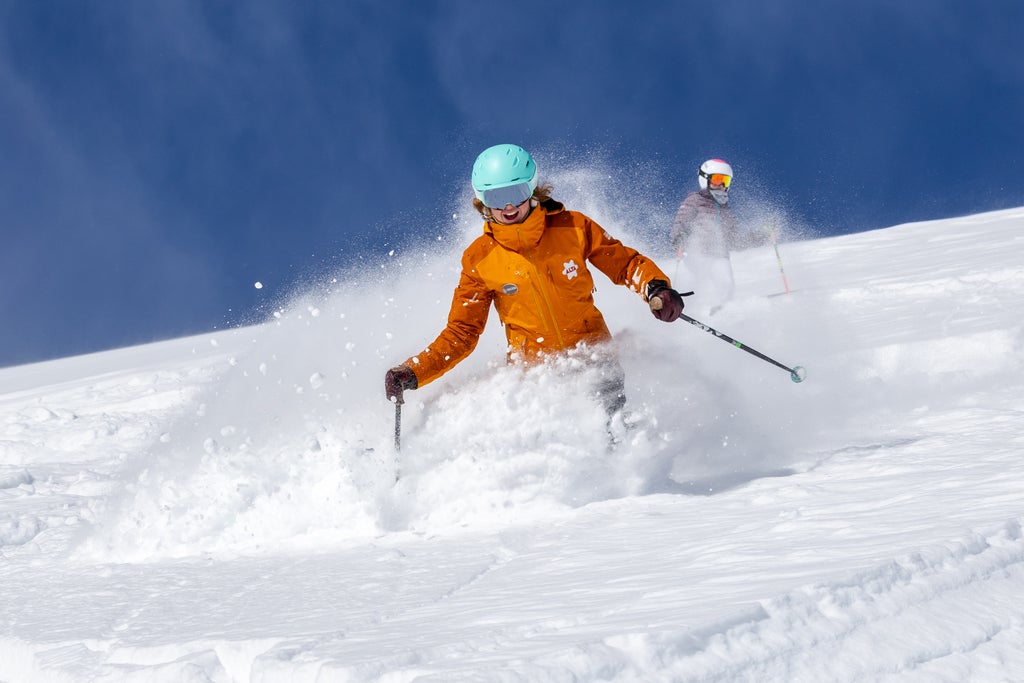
[[16, 478], [822, 625]]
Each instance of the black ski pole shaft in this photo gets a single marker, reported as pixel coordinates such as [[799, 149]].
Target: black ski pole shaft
[[398, 425], [796, 373]]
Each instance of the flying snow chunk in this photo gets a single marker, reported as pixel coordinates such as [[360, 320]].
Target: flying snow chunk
[[258, 285]]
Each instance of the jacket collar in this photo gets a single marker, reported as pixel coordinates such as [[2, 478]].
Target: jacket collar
[[525, 235]]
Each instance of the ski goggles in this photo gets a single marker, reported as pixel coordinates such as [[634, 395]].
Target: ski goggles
[[718, 179], [500, 197]]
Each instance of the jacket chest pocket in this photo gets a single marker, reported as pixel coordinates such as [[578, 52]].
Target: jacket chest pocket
[[569, 277]]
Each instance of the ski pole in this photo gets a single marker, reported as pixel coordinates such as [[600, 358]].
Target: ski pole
[[778, 258], [797, 373], [398, 425]]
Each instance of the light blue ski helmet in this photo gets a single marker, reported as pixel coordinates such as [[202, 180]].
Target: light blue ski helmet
[[504, 174]]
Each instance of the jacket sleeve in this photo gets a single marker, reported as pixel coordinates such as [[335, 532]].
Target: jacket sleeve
[[733, 234], [467, 318], [623, 265]]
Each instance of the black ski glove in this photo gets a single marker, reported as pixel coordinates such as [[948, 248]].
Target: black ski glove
[[397, 380], [666, 303]]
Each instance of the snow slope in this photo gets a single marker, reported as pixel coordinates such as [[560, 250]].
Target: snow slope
[[225, 507]]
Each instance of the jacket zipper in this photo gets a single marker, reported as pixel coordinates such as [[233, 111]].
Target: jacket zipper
[[539, 280]]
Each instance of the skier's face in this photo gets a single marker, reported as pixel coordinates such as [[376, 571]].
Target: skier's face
[[512, 214], [719, 190]]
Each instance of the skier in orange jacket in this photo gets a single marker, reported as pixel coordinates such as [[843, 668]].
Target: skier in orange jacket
[[531, 263]]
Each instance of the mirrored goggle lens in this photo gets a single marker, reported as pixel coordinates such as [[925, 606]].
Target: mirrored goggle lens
[[501, 197], [719, 179]]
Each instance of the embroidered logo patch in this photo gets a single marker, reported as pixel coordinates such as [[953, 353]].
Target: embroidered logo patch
[[510, 289], [570, 270]]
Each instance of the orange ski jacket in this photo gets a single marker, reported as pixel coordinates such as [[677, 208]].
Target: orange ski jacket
[[535, 273]]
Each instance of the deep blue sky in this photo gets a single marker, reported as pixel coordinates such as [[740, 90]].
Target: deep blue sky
[[158, 158]]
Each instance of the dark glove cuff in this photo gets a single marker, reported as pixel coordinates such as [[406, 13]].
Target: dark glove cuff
[[655, 286]]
